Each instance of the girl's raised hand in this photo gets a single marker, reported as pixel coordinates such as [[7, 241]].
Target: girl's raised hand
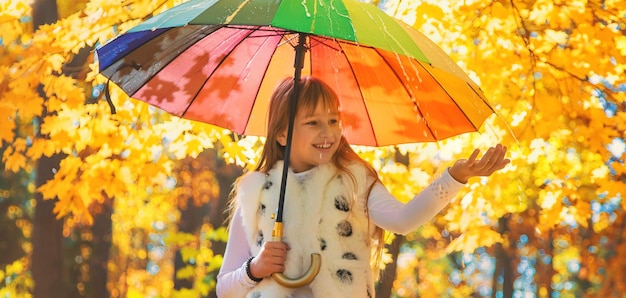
[[493, 160], [270, 259]]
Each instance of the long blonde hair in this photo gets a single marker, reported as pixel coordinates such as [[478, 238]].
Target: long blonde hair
[[312, 92]]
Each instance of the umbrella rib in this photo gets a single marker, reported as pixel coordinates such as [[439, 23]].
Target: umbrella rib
[[457, 105], [322, 41], [448, 93], [408, 91], [339, 41], [262, 79], [193, 99], [369, 118], [140, 66], [287, 40], [272, 31]]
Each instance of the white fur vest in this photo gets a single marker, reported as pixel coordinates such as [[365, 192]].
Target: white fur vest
[[324, 214]]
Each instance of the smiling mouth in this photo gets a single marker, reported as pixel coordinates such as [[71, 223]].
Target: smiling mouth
[[323, 146]]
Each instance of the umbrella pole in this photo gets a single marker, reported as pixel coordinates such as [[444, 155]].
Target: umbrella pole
[[277, 232]]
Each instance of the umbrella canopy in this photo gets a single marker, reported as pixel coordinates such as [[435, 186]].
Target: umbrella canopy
[[218, 62]]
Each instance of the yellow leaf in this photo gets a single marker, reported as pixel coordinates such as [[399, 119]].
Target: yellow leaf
[[31, 106], [135, 293], [220, 234], [67, 89], [61, 208], [194, 147], [13, 10], [620, 44], [559, 37], [185, 272], [499, 11], [180, 238], [188, 253], [15, 268], [184, 293], [56, 62], [65, 121], [540, 13], [13, 161], [41, 147], [68, 7], [473, 239], [8, 125], [216, 262]]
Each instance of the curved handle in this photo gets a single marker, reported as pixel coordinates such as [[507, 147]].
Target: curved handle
[[307, 278]]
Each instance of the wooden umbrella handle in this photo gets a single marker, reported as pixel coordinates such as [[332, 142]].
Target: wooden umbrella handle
[[307, 277]]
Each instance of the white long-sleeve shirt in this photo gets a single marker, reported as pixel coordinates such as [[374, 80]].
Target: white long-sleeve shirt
[[384, 210]]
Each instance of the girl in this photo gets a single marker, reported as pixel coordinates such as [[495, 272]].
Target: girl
[[335, 205]]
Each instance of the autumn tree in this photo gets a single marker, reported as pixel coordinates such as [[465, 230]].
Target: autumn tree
[[205, 184], [560, 105], [97, 154], [47, 257]]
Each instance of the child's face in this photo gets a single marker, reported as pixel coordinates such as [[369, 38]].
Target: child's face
[[315, 138]]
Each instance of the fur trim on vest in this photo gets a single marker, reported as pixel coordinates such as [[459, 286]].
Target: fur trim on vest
[[322, 214]]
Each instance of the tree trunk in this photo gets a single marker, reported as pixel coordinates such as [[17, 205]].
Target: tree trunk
[[545, 271], [385, 285], [387, 277], [190, 222], [47, 239], [49, 273], [503, 266], [226, 174], [613, 285], [584, 241], [495, 285], [193, 217], [102, 232], [47, 255]]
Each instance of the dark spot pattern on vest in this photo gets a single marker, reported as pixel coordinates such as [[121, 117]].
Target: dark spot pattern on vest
[[341, 203], [349, 256], [259, 239], [369, 292], [261, 210], [322, 244], [344, 276], [344, 229], [256, 295], [268, 184]]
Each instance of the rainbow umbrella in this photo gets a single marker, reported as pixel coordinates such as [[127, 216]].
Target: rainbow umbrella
[[218, 62]]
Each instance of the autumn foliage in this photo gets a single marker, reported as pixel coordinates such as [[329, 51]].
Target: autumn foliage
[[551, 223]]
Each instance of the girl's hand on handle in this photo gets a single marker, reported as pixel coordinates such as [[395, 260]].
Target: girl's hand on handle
[[493, 160], [270, 259]]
